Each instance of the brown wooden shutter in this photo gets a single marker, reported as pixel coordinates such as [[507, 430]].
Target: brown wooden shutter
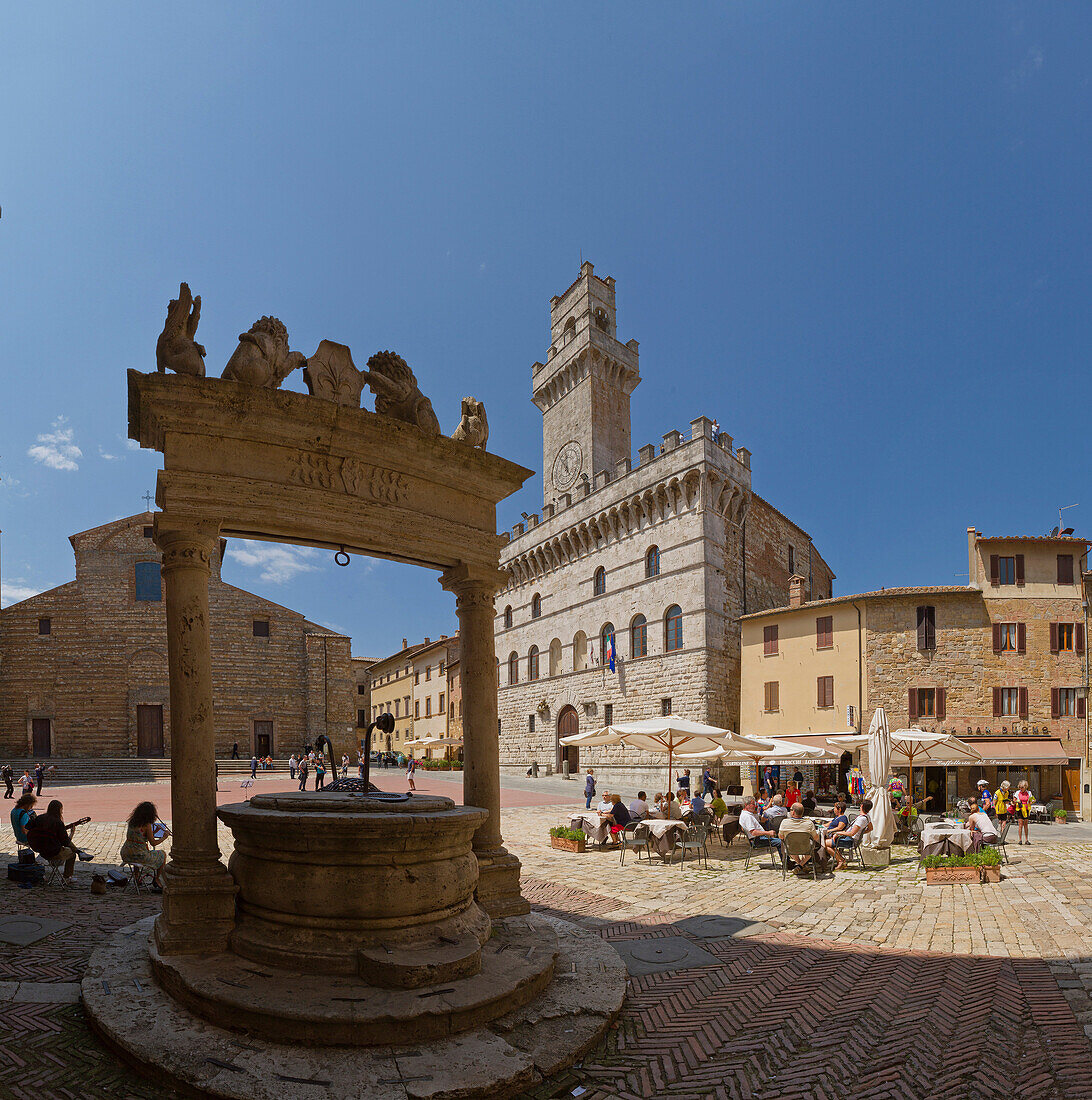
[[1022, 695], [941, 711], [912, 704], [1021, 638], [1080, 707], [775, 695], [1020, 569], [997, 702], [995, 570], [1055, 703], [921, 628], [1078, 637], [930, 628], [1065, 568], [997, 637], [1053, 637]]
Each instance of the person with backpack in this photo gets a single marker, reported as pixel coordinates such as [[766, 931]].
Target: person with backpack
[[589, 789]]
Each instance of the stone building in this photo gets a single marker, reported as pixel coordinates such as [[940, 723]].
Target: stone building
[[83, 667], [391, 681], [1000, 662], [654, 555]]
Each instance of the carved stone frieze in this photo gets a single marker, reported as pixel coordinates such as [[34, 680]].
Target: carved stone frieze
[[349, 475], [331, 374]]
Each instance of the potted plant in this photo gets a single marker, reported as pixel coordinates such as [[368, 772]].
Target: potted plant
[[984, 866], [568, 840], [990, 864], [1061, 816]]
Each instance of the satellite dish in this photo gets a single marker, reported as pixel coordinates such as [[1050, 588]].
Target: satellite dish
[[1054, 533], [1068, 531]]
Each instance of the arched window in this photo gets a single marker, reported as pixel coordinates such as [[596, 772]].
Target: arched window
[[536, 606], [513, 668], [605, 636], [570, 329], [555, 657], [508, 617], [638, 636], [673, 628], [532, 663], [600, 582], [652, 562], [580, 651]]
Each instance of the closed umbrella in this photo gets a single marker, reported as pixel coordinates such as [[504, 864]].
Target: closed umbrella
[[879, 764]]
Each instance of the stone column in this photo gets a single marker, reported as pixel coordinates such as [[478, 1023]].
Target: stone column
[[199, 899], [498, 870]]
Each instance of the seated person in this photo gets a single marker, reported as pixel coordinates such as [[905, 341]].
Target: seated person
[[657, 807], [808, 802], [796, 822], [838, 823], [619, 815], [775, 811], [638, 808], [683, 798], [605, 805], [839, 842], [22, 814], [752, 828], [983, 830], [672, 809], [51, 838], [697, 804], [141, 838], [718, 807]]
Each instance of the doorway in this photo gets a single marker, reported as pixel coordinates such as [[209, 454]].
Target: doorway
[[263, 739], [568, 724], [149, 724], [844, 765], [936, 787], [41, 730], [1071, 786]]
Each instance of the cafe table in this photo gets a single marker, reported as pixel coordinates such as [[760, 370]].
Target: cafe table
[[945, 838], [595, 828], [663, 834]]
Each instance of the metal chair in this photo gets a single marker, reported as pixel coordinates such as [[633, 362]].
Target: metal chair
[[730, 830], [136, 873], [853, 853], [798, 844], [759, 844], [695, 840], [634, 838], [56, 872], [1001, 838]]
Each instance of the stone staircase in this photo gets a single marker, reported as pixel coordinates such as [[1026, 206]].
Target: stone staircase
[[123, 769]]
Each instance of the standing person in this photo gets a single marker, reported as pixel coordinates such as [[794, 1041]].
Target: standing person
[[254, 766], [589, 789], [684, 782], [320, 773], [1022, 801], [344, 765], [8, 776], [26, 782], [235, 751], [303, 773], [792, 794], [707, 783], [39, 775], [360, 763], [411, 767], [292, 766], [769, 784], [1003, 801], [984, 798]]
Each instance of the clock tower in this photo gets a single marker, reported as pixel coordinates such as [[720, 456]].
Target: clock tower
[[583, 387]]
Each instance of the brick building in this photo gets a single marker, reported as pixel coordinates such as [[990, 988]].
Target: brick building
[[659, 555], [83, 667], [1001, 662]]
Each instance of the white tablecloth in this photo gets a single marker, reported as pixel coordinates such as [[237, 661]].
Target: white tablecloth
[[945, 838]]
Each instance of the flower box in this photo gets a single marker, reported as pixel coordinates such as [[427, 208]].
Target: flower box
[[568, 845], [991, 874], [948, 876]]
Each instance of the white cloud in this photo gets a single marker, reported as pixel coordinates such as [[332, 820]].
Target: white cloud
[[131, 444], [103, 454], [57, 449], [278, 564], [15, 591]]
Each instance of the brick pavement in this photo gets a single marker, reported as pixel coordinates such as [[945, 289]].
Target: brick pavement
[[914, 963]]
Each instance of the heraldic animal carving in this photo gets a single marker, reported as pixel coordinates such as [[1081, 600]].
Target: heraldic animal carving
[[176, 348], [262, 357], [473, 428], [396, 394]]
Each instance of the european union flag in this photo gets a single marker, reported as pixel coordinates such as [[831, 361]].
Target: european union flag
[[612, 652]]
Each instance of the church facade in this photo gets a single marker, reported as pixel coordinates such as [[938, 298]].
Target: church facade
[[624, 594], [83, 667]]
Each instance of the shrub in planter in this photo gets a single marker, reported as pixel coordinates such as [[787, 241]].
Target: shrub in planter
[[984, 866], [568, 840], [1061, 816]]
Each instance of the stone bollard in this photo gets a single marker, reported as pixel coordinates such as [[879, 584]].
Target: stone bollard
[[565, 770], [534, 769]]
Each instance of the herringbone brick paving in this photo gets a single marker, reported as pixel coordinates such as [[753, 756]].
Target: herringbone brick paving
[[871, 985]]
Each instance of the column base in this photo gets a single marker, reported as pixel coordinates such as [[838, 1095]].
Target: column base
[[498, 890], [198, 912]]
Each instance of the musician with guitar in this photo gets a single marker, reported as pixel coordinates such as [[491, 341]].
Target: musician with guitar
[[51, 838]]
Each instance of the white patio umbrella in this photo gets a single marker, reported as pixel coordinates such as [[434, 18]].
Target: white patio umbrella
[[771, 750], [879, 765]]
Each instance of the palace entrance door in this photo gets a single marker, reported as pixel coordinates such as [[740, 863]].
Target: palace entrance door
[[149, 727], [568, 724]]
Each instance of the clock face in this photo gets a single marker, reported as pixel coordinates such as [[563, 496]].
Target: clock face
[[567, 465]]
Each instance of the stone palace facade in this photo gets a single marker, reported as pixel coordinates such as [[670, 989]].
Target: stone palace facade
[[662, 552]]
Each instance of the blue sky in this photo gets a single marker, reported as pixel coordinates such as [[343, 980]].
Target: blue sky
[[856, 234]]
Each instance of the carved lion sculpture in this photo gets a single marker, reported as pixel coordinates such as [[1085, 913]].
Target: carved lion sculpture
[[396, 394], [262, 357], [473, 428], [176, 348]]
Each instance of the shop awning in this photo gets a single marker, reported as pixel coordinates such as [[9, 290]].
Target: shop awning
[[1019, 751]]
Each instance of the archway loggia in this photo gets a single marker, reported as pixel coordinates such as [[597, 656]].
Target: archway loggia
[[250, 462]]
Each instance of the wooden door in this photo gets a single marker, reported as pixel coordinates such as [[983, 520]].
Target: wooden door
[[568, 724], [149, 726], [42, 736], [1071, 786], [263, 739]]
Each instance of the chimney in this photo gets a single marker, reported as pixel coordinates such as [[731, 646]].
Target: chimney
[[796, 591], [427, 639], [972, 557], [405, 643]]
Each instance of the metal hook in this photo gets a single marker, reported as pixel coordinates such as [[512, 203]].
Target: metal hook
[[341, 554]]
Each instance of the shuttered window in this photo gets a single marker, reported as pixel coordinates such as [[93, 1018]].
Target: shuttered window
[[769, 641], [824, 691], [771, 692], [1010, 702], [1065, 568], [927, 628], [1009, 638], [824, 632], [923, 703]]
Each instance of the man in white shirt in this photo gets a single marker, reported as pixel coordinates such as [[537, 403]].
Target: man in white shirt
[[638, 808], [605, 806], [752, 828]]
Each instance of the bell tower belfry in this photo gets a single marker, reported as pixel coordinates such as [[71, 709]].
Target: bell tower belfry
[[583, 387]]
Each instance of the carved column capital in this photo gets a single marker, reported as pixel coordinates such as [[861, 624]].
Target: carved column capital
[[183, 543], [474, 586]]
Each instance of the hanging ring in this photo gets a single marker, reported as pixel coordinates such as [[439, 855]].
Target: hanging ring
[[341, 558]]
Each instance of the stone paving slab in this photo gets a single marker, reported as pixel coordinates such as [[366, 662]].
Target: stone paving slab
[[22, 931]]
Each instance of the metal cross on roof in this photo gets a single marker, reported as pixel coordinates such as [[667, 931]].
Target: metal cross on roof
[[148, 498]]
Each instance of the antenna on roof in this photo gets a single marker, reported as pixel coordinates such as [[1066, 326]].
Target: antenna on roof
[[1060, 511]]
